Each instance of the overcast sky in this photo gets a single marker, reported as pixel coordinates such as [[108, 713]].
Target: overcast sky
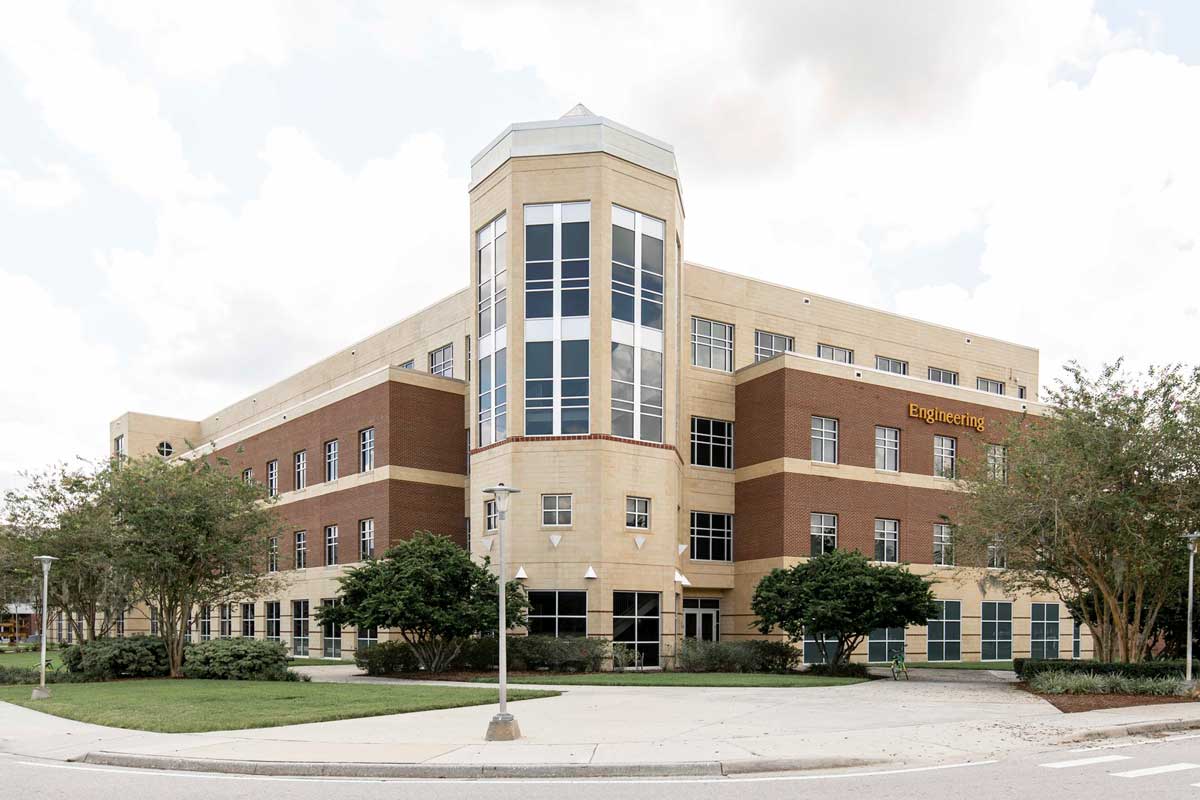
[[198, 199]]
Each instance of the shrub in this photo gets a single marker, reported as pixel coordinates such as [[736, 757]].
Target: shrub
[[565, 654], [237, 660], [752, 655], [387, 658], [480, 654], [773, 656], [108, 659], [20, 676], [1027, 668], [1064, 682], [851, 669], [624, 656]]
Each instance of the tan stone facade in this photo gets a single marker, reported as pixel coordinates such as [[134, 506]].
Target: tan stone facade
[[583, 349]]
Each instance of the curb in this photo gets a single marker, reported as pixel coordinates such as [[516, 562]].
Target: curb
[[343, 769], [1136, 729]]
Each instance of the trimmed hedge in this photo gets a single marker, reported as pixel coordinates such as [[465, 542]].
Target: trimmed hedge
[[568, 654], [109, 659], [238, 660], [1028, 668], [20, 676], [854, 669], [387, 658], [753, 655], [1059, 682]]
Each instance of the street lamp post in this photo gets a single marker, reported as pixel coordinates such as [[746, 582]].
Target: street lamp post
[[1193, 540], [503, 727], [41, 692]]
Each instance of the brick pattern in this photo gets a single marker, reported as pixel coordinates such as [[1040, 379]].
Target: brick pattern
[[774, 419], [773, 515]]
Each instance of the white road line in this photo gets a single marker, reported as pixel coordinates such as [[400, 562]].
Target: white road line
[[1142, 773], [1139, 743], [506, 781], [1083, 762]]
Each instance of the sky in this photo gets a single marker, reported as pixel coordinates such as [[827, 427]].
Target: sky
[[199, 199]]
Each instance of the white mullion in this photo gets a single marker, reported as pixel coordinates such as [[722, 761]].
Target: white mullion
[[556, 346], [637, 325]]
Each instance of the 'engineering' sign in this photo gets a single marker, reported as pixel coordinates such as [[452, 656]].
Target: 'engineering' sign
[[932, 415]]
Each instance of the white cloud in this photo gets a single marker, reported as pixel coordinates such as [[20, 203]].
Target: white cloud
[[56, 188]]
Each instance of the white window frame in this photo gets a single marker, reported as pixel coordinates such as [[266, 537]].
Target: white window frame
[[887, 448], [300, 550], [995, 639], [273, 554], [366, 449], [824, 435], [943, 545], [247, 620], [641, 225], [559, 507], [989, 385], [330, 541], [248, 475], [273, 621], [945, 457], [713, 533], [557, 616], [938, 631], [637, 512], [1047, 639], [441, 361], [997, 556], [768, 345], [119, 449], [890, 639], [642, 407], [300, 469], [997, 462], [823, 528], [717, 443], [491, 517], [366, 538], [410, 364], [946, 376], [887, 535], [273, 477], [896, 366], [331, 460], [718, 340], [831, 352]]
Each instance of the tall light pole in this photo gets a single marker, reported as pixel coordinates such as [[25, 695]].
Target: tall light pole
[[1193, 540], [41, 692], [503, 727]]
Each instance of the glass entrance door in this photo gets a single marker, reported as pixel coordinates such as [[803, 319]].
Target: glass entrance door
[[702, 618]]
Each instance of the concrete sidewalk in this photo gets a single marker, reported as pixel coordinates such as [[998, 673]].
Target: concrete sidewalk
[[625, 730]]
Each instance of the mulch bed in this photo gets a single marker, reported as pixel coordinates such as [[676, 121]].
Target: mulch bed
[[1072, 703]]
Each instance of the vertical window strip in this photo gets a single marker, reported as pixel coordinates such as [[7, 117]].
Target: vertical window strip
[[366, 450], [943, 545], [300, 464], [944, 456], [492, 265], [366, 539], [637, 268]]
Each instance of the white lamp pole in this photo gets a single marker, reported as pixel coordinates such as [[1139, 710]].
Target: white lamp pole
[[42, 693], [503, 727], [1193, 540]]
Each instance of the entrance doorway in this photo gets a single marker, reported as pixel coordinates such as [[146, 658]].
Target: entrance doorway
[[702, 618]]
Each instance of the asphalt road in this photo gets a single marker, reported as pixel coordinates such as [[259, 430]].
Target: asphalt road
[[1159, 768]]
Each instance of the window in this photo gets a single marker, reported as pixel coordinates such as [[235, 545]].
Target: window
[[637, 268], [997, 462], [119, 447], [813, 649], [366, 539], [825, 440], [491, 261], [441, 361], [556, 406], [574, 386], [331, 545], [636, 624], [1043, 631], [566, 225], [556, 510], [300, 469], [637, 512], [894, 365], [205, 623], [331, 460], [300, 628], [271, 615], [712, 344], [997, 557], [943, 546], [331, 635], [884, 644], [838, 354], [410, 364], [301, 549], [272, 478], [248, 620], [366, 450], [822, 533], [989, 385], [491, 517], [226, 622], [944, 640], [248, 475], [887, 448], [1077, 641], [493, 397], [637, 393], [165, 449], [944, 449], [702, 618], [712, 443], [153, 621], [1020, 392], [767, 345], [712, 536], [887, 540], [558, 613], [939, 375], [996, 641], [366, 638], [273, 554]]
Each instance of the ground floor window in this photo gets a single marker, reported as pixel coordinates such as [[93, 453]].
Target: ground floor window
[[702, 618], [944, 640], [812, 650], [1077, 641], [636, 623], [996, 639], [367, 638], [884, 644], [272, 615], [226, 620], [248, 620], [205, 623], [300, 628], [1043, 630], [557, 613], [331, 636]]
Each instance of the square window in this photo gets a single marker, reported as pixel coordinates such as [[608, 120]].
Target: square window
[[712, 344], [711, 536], [637, 512], [822, 533], [712, 443], [556, 510]]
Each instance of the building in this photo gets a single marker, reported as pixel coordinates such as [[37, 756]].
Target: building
[[677, 431]]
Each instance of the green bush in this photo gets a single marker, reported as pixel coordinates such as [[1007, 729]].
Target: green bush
[[565, 654], [19, 676], [388, 658], [754, 655], [480, 654], [852, 669], [624, 656], [1028, 668], [238, 660], [108, 659], [1063, 682], [774, 656]]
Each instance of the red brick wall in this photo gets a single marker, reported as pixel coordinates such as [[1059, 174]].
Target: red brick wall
[[426, 429]]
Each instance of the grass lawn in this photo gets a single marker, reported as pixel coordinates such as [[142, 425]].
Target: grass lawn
[[29, 659], [730, 679], [319, 662], [1001, 665], [186, 706]]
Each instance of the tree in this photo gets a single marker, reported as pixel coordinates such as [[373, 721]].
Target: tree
[[430, 591], [1094, 499], [189, 533], [64, 513], [841, 597]]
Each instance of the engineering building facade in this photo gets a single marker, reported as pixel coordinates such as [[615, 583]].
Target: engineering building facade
[[676, 431]]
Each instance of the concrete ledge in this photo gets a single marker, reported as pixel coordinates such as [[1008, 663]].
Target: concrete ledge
[[434, 771], [1135, 729]]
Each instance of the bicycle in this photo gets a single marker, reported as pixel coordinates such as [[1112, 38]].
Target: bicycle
[[899, 667]]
